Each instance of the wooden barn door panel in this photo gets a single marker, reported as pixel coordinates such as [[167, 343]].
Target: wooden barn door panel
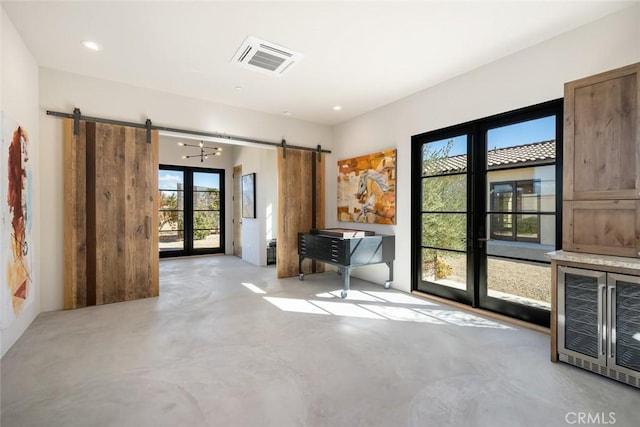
[[142, 215], [107, 201], [75, 216], [301, 206], [111, 184]]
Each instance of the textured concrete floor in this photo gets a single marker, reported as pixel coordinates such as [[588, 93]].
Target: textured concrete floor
[[211, 351]]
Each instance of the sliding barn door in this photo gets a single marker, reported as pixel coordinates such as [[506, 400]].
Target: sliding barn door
[[111, 214], [301, 206]]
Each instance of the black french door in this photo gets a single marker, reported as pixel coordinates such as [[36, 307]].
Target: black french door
[[191, 211], [486, 207]]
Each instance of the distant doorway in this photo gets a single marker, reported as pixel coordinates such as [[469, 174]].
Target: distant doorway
[[191, 214]]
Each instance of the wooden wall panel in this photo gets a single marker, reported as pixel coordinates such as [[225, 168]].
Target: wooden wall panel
[[111, 214], [297, 188], [609, 227], [141, 224]]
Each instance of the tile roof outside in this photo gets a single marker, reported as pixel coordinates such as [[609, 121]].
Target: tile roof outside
[[498, 157]]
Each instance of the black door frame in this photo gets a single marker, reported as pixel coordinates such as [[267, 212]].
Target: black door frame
[[476, 131], [417, 141], [188, 248]]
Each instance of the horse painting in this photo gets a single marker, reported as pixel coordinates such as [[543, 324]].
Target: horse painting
[[366, 188]]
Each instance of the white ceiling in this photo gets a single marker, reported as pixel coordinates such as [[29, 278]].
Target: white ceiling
[[360, 55]]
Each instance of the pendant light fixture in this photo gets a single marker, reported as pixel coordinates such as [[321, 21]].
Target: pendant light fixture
[[205, 151]]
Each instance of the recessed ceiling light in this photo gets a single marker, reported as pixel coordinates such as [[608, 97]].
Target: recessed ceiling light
[[286, 113], [337, 108], [91, 45], [238, 87]]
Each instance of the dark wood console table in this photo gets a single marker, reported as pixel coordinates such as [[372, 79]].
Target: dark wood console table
[[347, 249]]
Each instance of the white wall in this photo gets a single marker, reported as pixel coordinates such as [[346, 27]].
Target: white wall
[[19, 78], [62, 91], [256, 232], [528, 77]]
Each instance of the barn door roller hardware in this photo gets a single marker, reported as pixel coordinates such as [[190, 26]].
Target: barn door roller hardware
[[149, 126], [76, 121]]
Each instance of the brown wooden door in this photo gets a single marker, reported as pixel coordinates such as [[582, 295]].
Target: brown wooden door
[[237, 211], [111, 214], [301, 206]]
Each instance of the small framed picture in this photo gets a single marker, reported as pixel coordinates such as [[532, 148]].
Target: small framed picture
[[249, 195]]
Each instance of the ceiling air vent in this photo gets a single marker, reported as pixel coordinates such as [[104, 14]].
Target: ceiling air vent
[[265, 57]]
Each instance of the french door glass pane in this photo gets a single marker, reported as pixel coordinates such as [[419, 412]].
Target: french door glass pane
[[446, 193], [520, 282], [171, 210], [206, 239], [203, 181], [521, 211], [445, 268], [444, 212], [446, 231], [444, 157], [206, 200], [171, 240], [206, 210]]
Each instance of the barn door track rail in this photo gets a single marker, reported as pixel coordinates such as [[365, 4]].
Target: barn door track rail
[[149, 126]]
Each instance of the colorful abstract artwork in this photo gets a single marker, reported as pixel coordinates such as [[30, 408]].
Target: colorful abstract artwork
[[367, 188], [17, 220]]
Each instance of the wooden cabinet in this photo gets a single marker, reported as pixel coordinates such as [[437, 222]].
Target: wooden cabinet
[[602, 163], [608, 227]]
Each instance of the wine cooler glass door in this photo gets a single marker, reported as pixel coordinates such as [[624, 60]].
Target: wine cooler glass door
[[623, 346], [582, 305]]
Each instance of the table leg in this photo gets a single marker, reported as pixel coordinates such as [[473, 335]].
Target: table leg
[[346, 276], [387, 284]]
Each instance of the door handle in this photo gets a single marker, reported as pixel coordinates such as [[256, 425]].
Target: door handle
[[603, 325], [147, 227], [611, 303]]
